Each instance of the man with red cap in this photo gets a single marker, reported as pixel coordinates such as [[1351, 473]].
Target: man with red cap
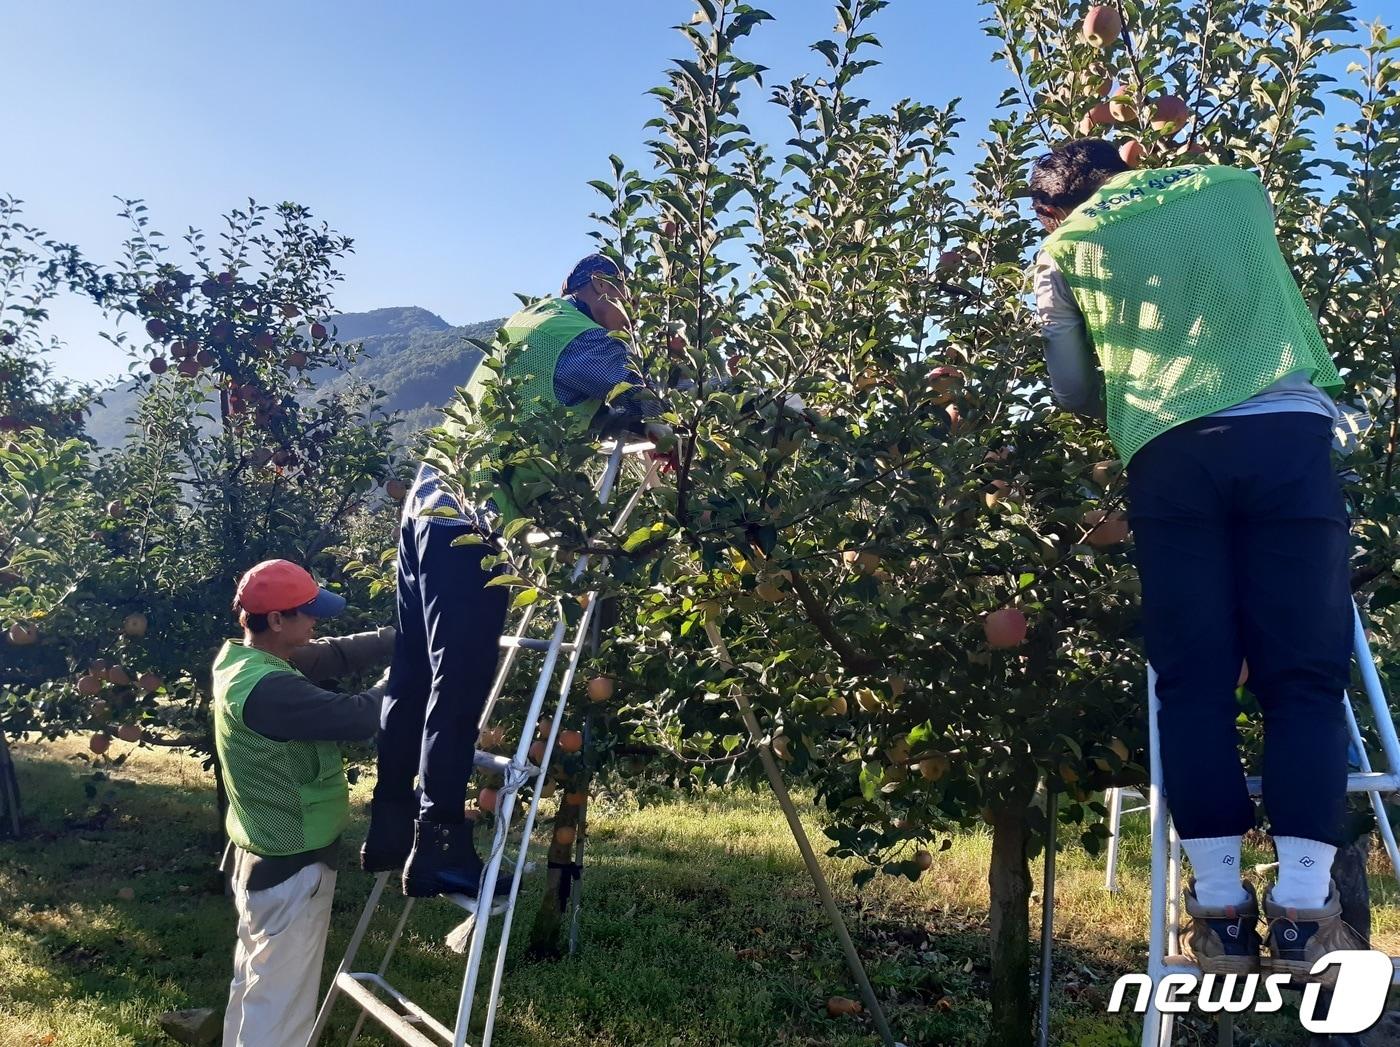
[[276, 732]]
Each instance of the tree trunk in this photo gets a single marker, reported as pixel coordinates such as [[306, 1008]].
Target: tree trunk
[[9, 793], [1010, 881], [547, 932]]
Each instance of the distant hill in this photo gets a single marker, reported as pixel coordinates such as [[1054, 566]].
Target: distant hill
[[415, 357]]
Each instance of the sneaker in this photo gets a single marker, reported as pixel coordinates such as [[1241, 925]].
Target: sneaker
[[444, 861], [1298, 938], [390, 835], [1224, 940]]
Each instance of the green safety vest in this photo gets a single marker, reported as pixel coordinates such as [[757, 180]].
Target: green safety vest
[[1187, 297], [534, 339], [283, 797]]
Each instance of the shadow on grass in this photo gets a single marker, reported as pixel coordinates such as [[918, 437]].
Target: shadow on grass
[[699, 926]]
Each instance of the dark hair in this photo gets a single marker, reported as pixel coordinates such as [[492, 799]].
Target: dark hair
[[257, 623], [1072, 172]]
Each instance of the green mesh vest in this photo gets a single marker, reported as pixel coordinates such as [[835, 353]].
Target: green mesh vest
[[1187, 297], [283, 797], [533, 340]]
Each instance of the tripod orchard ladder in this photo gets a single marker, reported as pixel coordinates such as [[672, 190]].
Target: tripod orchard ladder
[[371, 992], [1164, 935]]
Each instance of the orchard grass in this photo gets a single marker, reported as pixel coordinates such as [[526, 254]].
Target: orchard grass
[[699, 926]]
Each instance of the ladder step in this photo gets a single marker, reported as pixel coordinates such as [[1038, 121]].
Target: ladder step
[[496, 762], [1360, 782], [467, 903], [356, 985], [532, 644]]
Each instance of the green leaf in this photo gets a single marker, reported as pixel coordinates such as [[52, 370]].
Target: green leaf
[[506, 579], [525, 598]]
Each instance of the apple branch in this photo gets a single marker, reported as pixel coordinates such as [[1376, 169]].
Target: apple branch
[[854, 660]]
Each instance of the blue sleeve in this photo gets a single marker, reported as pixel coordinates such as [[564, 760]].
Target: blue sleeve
[[591, 366]]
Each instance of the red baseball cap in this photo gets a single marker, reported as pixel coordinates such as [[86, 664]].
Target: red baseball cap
[[280, 585]]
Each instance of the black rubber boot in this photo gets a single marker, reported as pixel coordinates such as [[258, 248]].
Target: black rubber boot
[[444, 861], [390, 836]]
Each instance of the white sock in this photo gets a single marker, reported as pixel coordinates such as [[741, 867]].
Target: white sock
[[1304, 872], [1215, 860]]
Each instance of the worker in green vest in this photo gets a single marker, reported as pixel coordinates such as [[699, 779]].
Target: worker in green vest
[[276, 732], [564, 352], [1169, 310]]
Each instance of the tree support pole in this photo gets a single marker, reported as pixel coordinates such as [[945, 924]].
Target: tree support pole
[[1047, 909], [809, 857]]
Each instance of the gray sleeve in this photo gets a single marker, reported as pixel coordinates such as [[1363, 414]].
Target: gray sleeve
[[286, 707], [1069, 355], [332, 657]]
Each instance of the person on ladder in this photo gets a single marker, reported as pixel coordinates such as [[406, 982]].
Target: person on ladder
[[275, 732], [450, 622], [1216, 389]]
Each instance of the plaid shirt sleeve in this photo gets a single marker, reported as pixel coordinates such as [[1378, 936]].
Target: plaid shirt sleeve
[[591, 366]]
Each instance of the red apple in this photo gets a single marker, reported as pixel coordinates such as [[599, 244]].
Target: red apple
[[204, 358], [149, 682], [1100, 115], [486, 799], [155, 327], [537, 753], [99, 743], [159, 365], [89, 685], [1102, 25], [1169, 114], [116, 510], [290, 311], [189, 368], [1123, 108], [296, 358], [129, 732], [396, 489], [600, 689], [134, 625], [318, 332], [1107, 529], [570, 741], [118, 676], [1132, 152], [1005, 628]]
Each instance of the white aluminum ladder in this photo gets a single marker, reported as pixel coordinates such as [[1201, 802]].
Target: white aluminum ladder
[[371, 992], [1164, 935]]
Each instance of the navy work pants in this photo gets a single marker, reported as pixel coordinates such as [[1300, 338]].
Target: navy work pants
[[444, 660], [1243, 546]]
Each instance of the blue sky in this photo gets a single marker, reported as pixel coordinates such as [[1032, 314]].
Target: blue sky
[[452, 140]]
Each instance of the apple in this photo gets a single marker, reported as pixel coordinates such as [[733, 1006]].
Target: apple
[[944, 381], [955, 419], [491, 737], [159, 365], [769, 593], [861, 560], [149, 682], [486, 799], [1104, 472], [205, 358], [537, 753], [155, 327], [129, 732], [318, 332], [396, 489], [898, 752], [99, 743], [934, 767], [996, 490], [118, 677], [1102, 25], [1122, 107], [289, 311], [1132, 152], [1100, 115], [781, 746], [951, 259], [866, 380], [9, 579], [835, 706], [298, 359], [188, 369], [22, 634], [668, 229], [924, 860], [115, 510], [1169, 114], [1107, 529], [1005, 628], [868, 700], [570, 741], [600, 689], [126, 894], [221, 333], [1194, 149], [100, 710], [565, 835], [840, 1006], [89, 685], [134, 625], [226, 279]]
